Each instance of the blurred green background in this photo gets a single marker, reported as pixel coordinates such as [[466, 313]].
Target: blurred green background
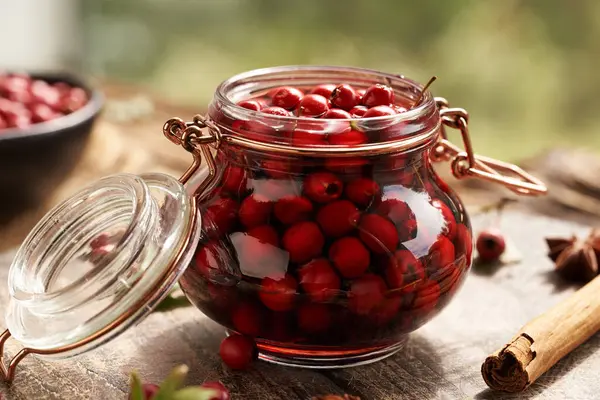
[[525, 70]]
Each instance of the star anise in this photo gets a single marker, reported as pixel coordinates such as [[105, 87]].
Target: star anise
[[576, 259]]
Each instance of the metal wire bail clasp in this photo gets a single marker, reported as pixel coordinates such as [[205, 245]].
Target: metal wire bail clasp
[[191, 137], [7, 370], [467, 163]]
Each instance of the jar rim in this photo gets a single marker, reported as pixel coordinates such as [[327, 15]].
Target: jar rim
[[427, 102], [417, 128]]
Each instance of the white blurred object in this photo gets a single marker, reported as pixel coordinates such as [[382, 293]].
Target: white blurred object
[[40, 35]]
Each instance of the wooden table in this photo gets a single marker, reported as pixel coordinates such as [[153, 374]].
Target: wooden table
[[442, 360]]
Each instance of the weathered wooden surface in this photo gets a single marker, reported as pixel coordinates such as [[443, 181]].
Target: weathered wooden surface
[[441, 361]]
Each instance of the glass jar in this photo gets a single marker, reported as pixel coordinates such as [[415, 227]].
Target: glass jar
[[328, 241]]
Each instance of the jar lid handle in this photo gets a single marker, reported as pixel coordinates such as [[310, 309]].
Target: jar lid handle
[[190, 136], [467, 164]]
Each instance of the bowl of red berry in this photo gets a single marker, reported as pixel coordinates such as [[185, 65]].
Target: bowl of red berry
[[45, 121], [319, 227]]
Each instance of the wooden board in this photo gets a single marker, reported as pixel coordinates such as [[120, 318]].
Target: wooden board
[[442, 360]]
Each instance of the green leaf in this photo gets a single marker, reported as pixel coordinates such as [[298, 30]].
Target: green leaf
[[171, 303], [136, 391], [172, 383], [195, 393]]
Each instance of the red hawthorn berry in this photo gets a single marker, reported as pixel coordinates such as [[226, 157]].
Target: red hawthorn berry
[[314, 318], [312, 105], [73, 101], [324, 90], [401, 215], [441, 254], [42, 113], [345, 165], [208, 258], [278, 294], [278, 111], [303, 241], [323, 187], [385, 311], [338, 218], [463, 242], [379, 111], [447, 283], [247, 319], [253, 130], [358, 111], [490, 245], [234, 180], [378, 95], [255, 210], [319, 280], [336, 113], [224, 297], [292, 209], [250, 105], [265, 233], [427, 297], [278, 169], [404, 271], [362, 191], [344, 96], [360, 93], [366, 293], [222, 213], [350, 257], [301, 137], [449, 221], [349, 138], [378, 233], [287, 97], [321, 127], [101, 240], [238, 351]]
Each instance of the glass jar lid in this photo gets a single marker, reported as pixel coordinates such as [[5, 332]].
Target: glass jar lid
[[99, 262]]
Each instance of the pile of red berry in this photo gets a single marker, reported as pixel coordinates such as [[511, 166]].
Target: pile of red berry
[[331, 251], [327, 101], [25, 101]]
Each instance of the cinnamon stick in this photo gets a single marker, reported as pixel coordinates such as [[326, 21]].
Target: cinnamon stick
[[543, 341]]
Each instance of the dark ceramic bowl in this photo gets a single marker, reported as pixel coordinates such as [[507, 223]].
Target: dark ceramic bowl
[[33, 161]]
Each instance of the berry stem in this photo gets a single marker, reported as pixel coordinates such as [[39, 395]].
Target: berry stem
[[431, 80]]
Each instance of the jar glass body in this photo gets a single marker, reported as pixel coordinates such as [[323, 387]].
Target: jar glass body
[[326, 259]]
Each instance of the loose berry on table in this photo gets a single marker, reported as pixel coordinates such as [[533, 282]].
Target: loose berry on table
[[238, 351], [490, 245]]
